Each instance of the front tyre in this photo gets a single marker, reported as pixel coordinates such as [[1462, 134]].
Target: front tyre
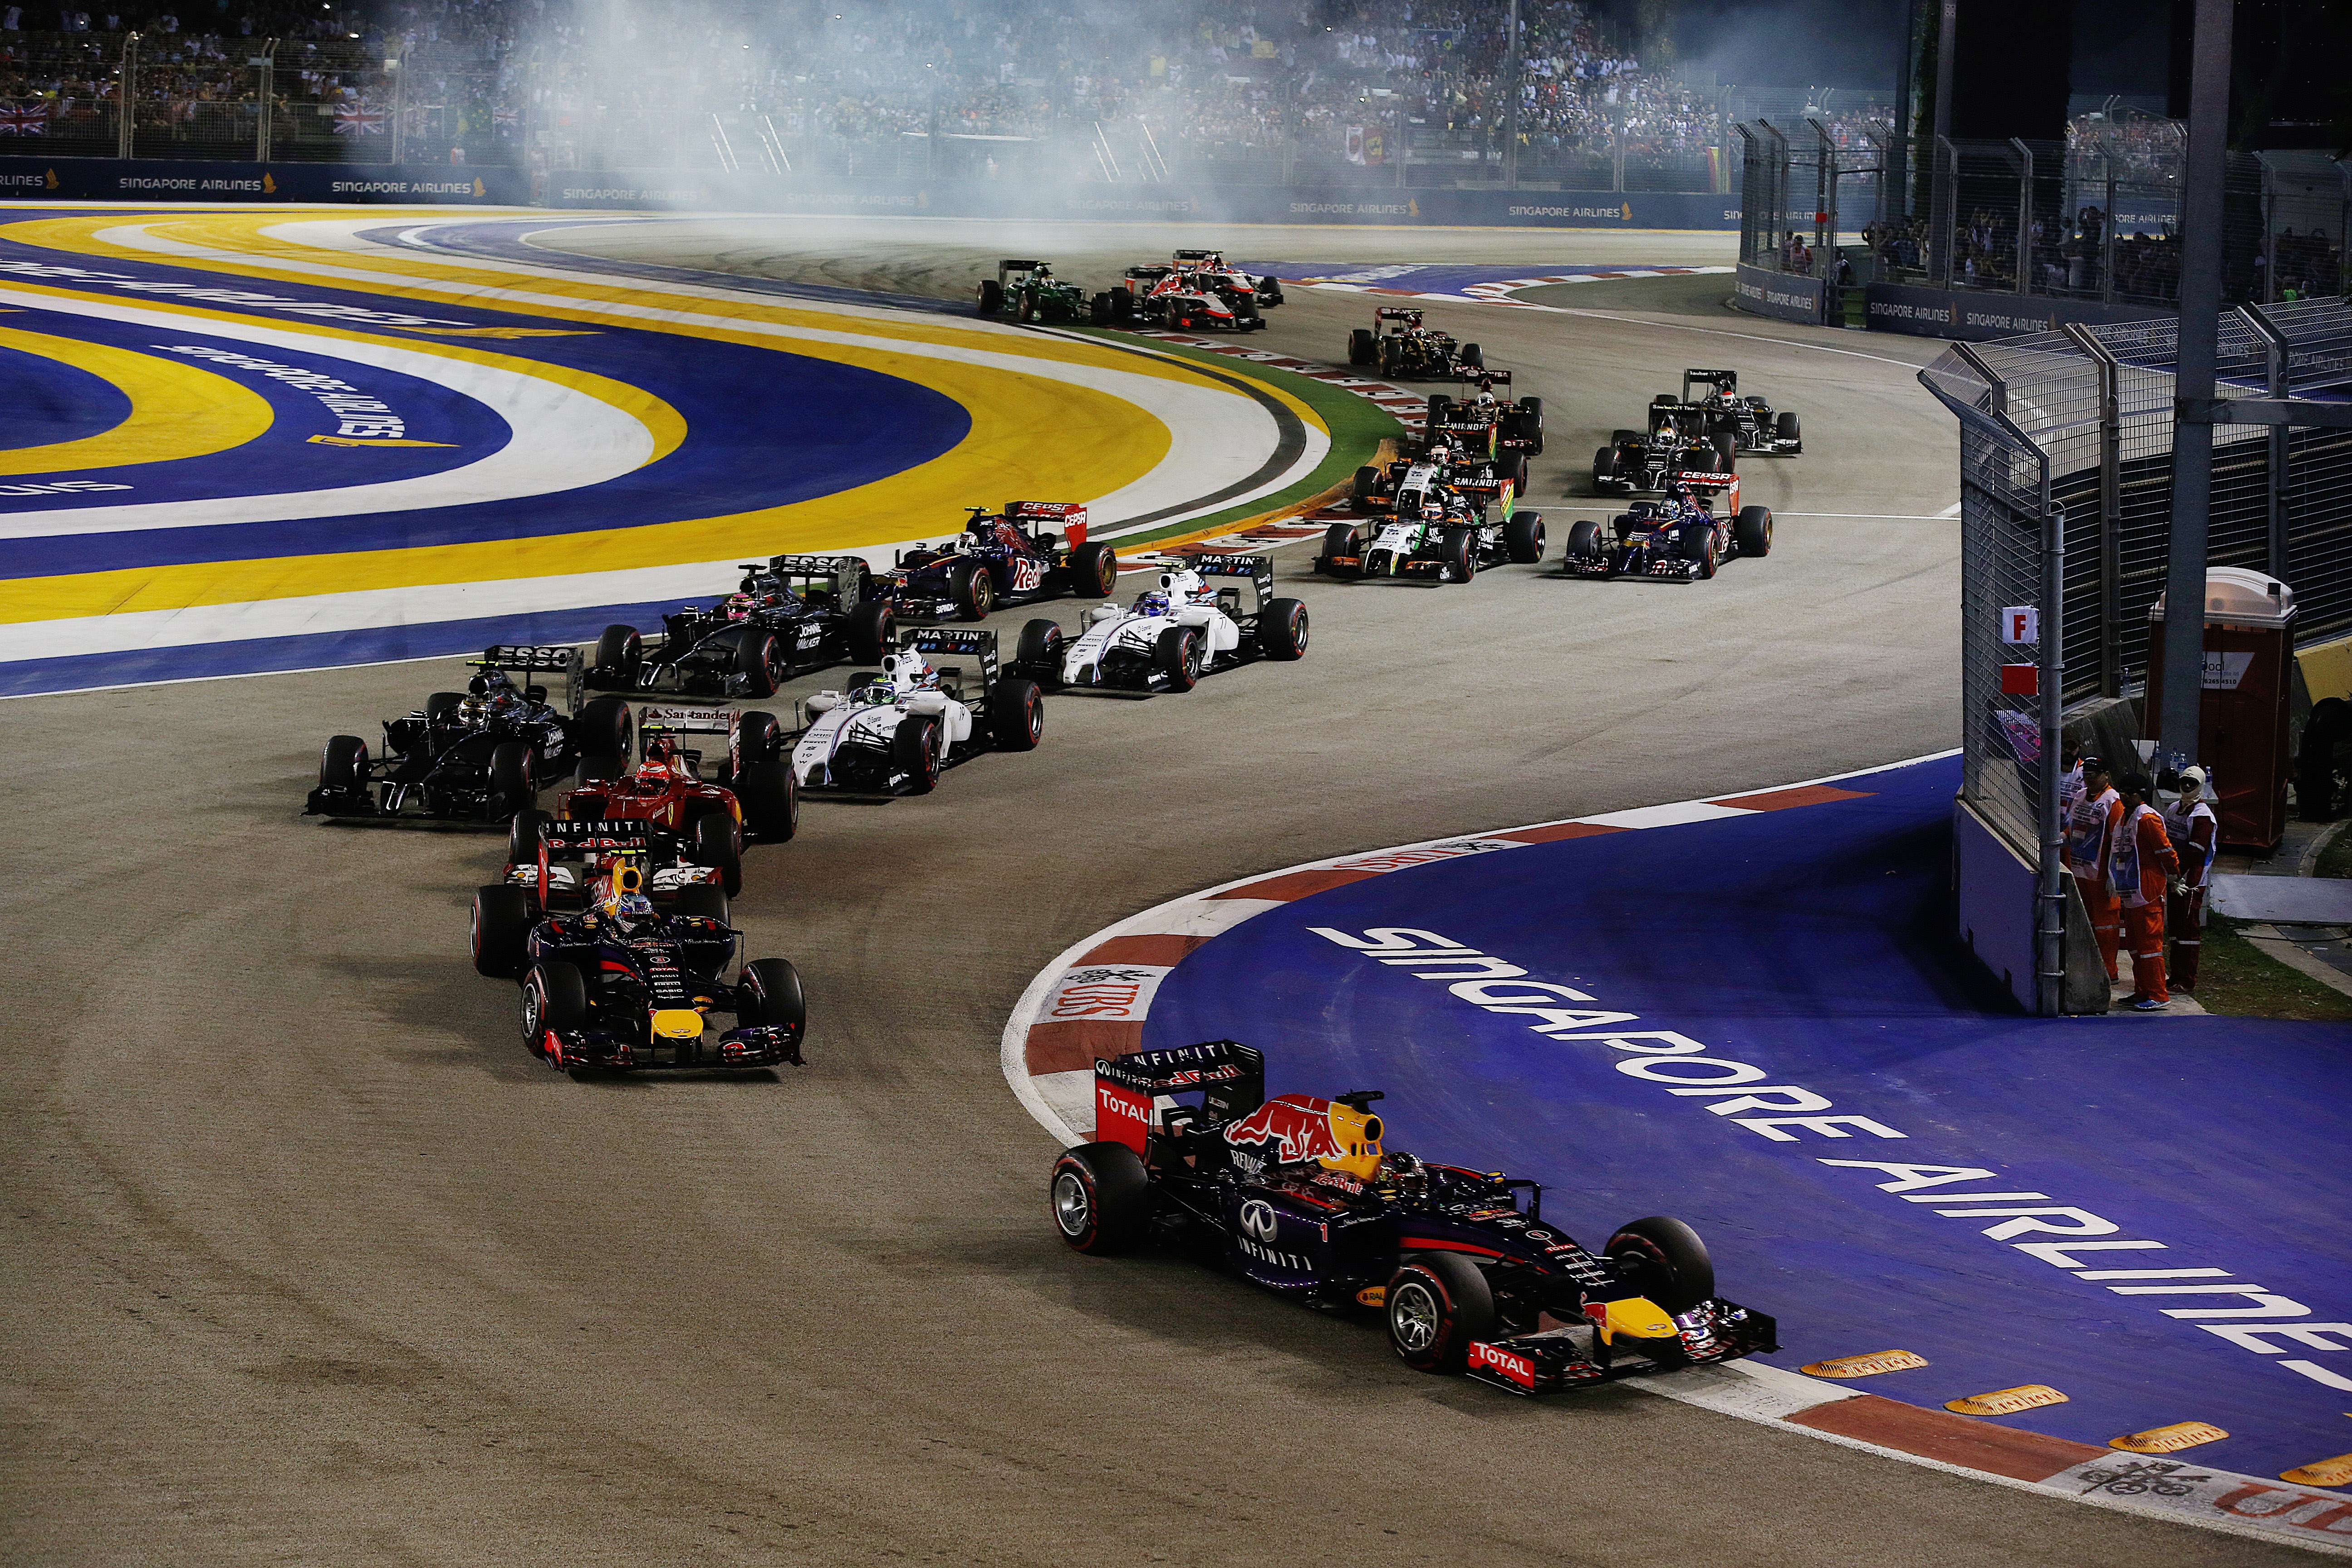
[[1342, 542], [343, 765], [760, 660], [554, 999], [1016, 715], [1437, 1303], [522, 839], [972, 588], [1459, 556], [1039, 653], [619, 651], [769, 993], [1101, 1198], [913, 753], [512, 777], [703, 902], [1524, 537], [501, 927], [1177, 658], [1665, 1261]]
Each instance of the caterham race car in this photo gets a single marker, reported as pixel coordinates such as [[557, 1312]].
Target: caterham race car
[[895, 731], [622, 986], [1690, 534], [1711, 403], [479, 754], [1399, 347], [790, 614], [1033, 550], [1028, 292], [1186, 627], [1440, 532], [1300, 1194]]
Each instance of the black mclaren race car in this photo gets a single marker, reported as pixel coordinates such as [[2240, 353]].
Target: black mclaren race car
[[1711, 403], [1440, 532], [1690, 534], [1674, 445], [1399, 347], [479, 754], [1298, 1193], [624, 986], [1033, 550], [1485, 426], [791, 613]]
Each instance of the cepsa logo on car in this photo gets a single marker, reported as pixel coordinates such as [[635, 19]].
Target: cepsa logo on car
[[1300, 1126], [1494, 1358]]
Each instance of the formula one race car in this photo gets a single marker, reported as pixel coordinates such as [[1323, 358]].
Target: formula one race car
[[1485, 426], [1675, 444], [1440, 532], [1698, 527], [1173, 633], [1408, 350], [477, 754], [1187, 299], [557, 864], [792, 614], [622, 986], [895, 731], [1719, 410], [1298, 1194], [1266, 290], [1028, 292], [1014, 557], [1437, 460]]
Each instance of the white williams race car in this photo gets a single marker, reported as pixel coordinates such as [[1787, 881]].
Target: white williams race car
[[895, 731], [1183, 629]]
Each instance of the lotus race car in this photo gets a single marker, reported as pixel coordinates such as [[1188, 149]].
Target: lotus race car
[[1173, 633], [1408, 350], [1011, 558], [1719, 410], [1485, 426], [792, 613], [1028, 292], [895, 731], [1687, 535], [1298, 1193], [478, 754], [1440, 532], [622, 986]]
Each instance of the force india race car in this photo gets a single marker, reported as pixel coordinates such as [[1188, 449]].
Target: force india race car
[[792, 613], [1010, 558], [1408, 350], [1298, 1194], [895, 731], [478, 754], [622, 986], [1719, 410], [1698, 527], [1028, 292], [1440, 532], [1173, 633], [1188, 299]]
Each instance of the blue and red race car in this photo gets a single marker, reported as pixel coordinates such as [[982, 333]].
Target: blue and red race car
[[1032, 550]]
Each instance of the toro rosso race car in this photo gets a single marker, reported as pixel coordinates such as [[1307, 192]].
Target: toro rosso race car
[[792, 614], [1014, 557], [479, 754], [1717, 409], [1698, 527], [895, 731], [1173, 633], [1399, 347], [623, 986], [1300, 1195], [1441, 532]]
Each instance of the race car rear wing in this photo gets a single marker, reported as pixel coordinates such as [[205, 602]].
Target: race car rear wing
[[1258, 569], [1720, 380], [844, 576], [954, 642], [1214, 258], [521, 659], [1475, 373], [1070, 515], [1706, 487], [1405, 314], [600, 833], [1229, 1076]]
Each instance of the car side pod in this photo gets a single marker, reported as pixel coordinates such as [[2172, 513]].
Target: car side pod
[[1575, 1356]]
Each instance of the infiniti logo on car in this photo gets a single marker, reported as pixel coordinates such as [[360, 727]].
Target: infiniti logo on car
[[1258, 1219]]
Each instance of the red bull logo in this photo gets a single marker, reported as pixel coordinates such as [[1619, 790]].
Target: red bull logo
[[1299, 1124]]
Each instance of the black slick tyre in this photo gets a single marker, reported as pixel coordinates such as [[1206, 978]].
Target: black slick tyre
[[760, 660], [1665, 1261], [1436, 1304], [1753, 531], [1473, 356], [1460, 556], [703, 902], [595, 767], [554, 996], [619, 651], [1584, 539], [713, 844], [771, 797], [1523, 536], [442, 707], [1094, 571], [1786, 428], [606, 728], [769, 992], [513, 776], [1282, 629], [1016, 715], [1102, 312], [972, 588], [522, 835], [1178, 657], [913, 753], [758, 739], [1368, 484], [1361, 350], [1340, 540], [871, 625], [1101, 1198], [1726, 451], [1604, 466], [343, 765], [1038, 655], [502, 921], [991, 297]]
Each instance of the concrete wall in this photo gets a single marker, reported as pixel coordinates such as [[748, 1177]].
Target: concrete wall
[[1767, 293], [1995, 907]]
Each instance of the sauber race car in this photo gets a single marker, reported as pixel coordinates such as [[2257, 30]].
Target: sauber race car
[[1717, 409], [1028, 292], [1441, 532], [1698, 527], [895, 731], [1014, 557], [1675, 444], [792, 614], [1407, 351], [1300, 1195], [1186, 299], [1485, 426], [621, 984], [1185, 627], [478, 754]]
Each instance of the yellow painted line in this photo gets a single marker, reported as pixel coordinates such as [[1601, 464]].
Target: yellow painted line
[[178, 410]]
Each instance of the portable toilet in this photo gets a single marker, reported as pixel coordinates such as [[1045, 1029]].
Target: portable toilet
[[2242, 725]]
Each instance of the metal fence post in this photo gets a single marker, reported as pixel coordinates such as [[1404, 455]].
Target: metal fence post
[[2107, 241], [2274, 367], [1512, 72], [2025, 215], [127, 96], [1945, 218], [2049, 901], [2111, 491], [265, 81], [399, 106]]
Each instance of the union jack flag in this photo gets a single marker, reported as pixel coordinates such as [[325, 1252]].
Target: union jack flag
[[358, 121], [31, 120], [508, 117]]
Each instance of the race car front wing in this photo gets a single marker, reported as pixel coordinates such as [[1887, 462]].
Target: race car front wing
[[1579, 1354]]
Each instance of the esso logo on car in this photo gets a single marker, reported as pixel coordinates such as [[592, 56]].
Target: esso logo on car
[[1518, 1369]]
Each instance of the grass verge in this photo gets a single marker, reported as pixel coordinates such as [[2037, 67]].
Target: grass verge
[[2238, 980]]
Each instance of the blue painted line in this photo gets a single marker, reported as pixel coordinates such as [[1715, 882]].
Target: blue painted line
[[1810, 944], [1431, 279], [49, 402]]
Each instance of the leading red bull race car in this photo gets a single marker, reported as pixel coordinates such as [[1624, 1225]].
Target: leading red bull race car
[[1300, 1195]]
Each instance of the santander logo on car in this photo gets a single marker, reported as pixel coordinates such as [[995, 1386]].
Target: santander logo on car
[[1299, 1124]]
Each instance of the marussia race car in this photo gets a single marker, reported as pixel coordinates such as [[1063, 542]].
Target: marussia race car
[[1011, 558], [1186, 299], [895, 731], [1440, 532], [1298, 1193], [1676, 444], [1719, 410], [1485, 426], [792, 614], [1682, 537], [1411, 351], [1028, 292], [1211, 264], [1174, 634], [622, 986], [478, 754]]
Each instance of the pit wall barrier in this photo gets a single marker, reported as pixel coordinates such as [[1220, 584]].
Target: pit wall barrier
[[1994, 911], [1776, 294]]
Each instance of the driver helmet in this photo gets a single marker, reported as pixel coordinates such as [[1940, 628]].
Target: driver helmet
[[735, 606], [1154, 602], [490, 683], [875, 694], [661, 752], [1678, 493], [1431, 509], [628, 911]]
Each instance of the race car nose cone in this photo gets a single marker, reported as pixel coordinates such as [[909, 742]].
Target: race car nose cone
[[1637, 1318], [677, 1023]]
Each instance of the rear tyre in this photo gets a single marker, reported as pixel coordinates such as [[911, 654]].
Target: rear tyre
[[1523, 535], [770, 798], [760, 660], [1016, 715], [1726, 451], [991, 297], [522, 837], [1094, 570], [871, 625], [511, 776], [1437, 1303], [343, 765], [442, 707], [1039, 653], [501, 927], [606, 728], [1340, 540], [1664, 1260], [1282, 629], [1361, 349], [1438, 404], [913, 753], [714, 844], [1753, 531], [1178, 657], [703, 902], [1604, 465], [768, 993], [1103, 312], [597, 766], [619, 651], [1473, 356], [1101, 1198], [758, 739]]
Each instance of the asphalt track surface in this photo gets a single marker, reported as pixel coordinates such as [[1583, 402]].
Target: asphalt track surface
[[308, 1261]]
